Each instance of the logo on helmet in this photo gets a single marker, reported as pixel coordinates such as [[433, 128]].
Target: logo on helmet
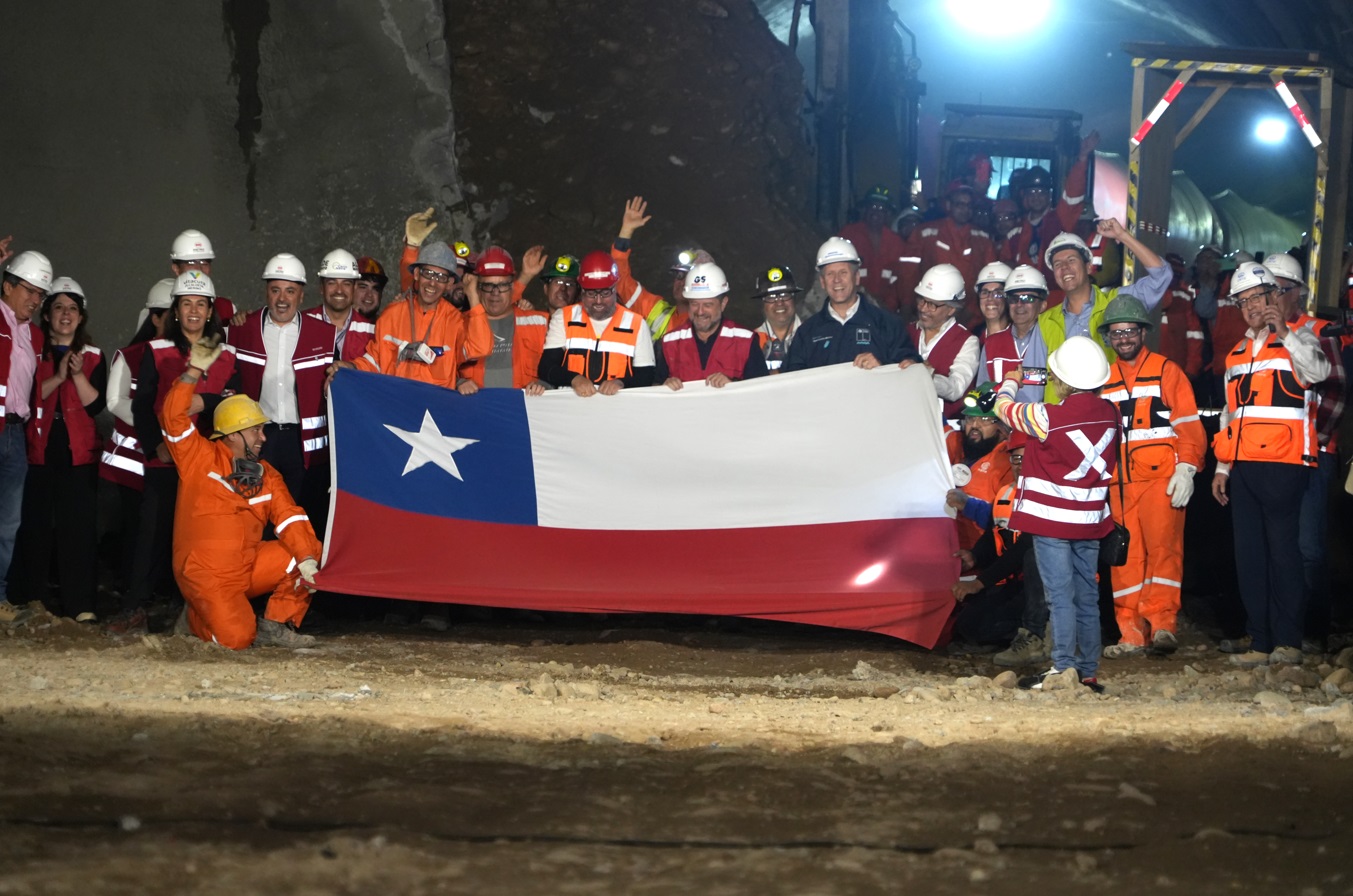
[[561, 265], [775, 275]]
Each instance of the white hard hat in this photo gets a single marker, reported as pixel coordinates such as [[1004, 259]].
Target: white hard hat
[[284, 266], [1249, 274], [160, 298], [33, 268], [1080, 363], [191, 245], [339, 264], [194, 283], [705, 281], [996, 272], [66, 285], [1026, 277], [1285, 266], [838, 248], [943, 285], [1067, 241]]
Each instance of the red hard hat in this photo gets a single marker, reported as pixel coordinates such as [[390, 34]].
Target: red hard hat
[[597, 271], [495, 262]]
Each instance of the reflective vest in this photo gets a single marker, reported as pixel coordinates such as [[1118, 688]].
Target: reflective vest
[[1273, 413], [1002, 355], [728, 354], [310, 359], [941, 355], [84, 438], [1064, 486], [170, 363], [6, 346], [1002, 535], [609, 356], [1329, 444], [528, 341], [122, 462], [1151, 417], [355, 335]]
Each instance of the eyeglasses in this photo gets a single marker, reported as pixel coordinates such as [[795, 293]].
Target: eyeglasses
[[1260, 298], [434, 276], [598, 293], [777, 300], [1124, 334], [495, 288], [991, 295], [1025, 299]]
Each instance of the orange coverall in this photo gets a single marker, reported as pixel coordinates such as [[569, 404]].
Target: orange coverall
[[220, 559], [1161, 429], [454, 337]]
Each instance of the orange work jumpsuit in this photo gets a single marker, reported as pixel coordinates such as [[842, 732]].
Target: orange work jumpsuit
[[455, 339], [220, 558], [1161, 429]]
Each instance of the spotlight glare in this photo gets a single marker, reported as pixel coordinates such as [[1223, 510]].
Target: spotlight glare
[[1271, 130], [1000, 18], [869, 575]]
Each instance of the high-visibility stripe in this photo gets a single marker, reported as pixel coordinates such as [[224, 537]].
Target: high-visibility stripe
[[1188, 419], [314, 362], [1295, 108], [252, 358], [1155, 432], [1066, 492], [260, 499], [1258, 366], [1157, 112], [219, 478], [916, 259], [315, 444], [1062, 514], [533, 320], [1133, 590], [1169, 583], [131, 465], [1263, 412], [123, 441], [178, 438], [1194, 334], [314, 422], [599, 345], [289, 520]]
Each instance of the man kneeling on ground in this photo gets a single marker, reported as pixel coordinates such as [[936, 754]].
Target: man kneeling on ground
[[226, 497]]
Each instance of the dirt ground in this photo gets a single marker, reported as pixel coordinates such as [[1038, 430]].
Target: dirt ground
[[655, 755]]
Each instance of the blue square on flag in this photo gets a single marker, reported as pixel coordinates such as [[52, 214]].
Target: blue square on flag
[[423, 449]]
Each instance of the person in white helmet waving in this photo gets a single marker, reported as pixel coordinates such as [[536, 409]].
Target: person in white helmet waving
[[26, 281], [707, 347], [849, 328]]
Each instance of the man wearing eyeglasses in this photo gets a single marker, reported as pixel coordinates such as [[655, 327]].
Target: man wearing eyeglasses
[[424, 337], [1021, 344], [1291, 300], [776, 289], [1265, 451], [1163, 447], [594, 346], [518, 336]]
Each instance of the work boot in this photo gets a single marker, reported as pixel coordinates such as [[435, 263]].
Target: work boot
[[1285, 656], [128, 622], [277, 634], [9, 613], [1122, 650], [1234, 645], [1026, 649], [1052, 680], [1163, 642], [1250, 659]]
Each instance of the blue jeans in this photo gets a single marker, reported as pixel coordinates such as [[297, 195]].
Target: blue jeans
[[1067, 567], [13, 472], [1311, 540]]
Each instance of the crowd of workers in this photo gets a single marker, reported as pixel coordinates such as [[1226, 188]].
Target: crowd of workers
[[1068, 427]]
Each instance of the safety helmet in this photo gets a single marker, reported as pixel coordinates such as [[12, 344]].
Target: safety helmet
[[194, 283], [33, 268], [340, 264], [495, 262], [909, 212], [996, 272], [564, 267], [880, 194], [775, 282], [979, 401], [235, 413], [369, 268], [161, 295], [1080, 363], [284, 266], [437, 254], [943, 285], [705, 281], [1037, 177], [1210, 247], [688, 257], [66, 285], [598, 271], [1249, 274], [1125, 309], [1026, 278], [1285, 266], [191, 245], [835, 249], [1067, 241]]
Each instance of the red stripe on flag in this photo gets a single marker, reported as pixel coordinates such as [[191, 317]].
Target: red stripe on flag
[[886, 576]]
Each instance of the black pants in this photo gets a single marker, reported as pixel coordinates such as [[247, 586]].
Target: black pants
[[59, 515], [1266, 513], [154, 538], [309, 486]]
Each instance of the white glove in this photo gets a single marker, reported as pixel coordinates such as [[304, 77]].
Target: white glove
[[205, 352], [1180, 488], [307, 569]]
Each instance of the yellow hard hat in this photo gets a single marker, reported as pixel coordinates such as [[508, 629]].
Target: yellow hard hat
[[236, 413]]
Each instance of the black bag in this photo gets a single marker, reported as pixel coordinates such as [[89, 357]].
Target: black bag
[[1113, 548]]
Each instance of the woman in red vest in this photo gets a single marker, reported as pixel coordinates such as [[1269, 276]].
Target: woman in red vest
[[63, 459], [1063, 499]]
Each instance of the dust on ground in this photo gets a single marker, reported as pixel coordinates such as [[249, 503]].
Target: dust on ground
[[517, 754]]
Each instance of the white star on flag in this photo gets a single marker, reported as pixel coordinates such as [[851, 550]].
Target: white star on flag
[[430, 446]]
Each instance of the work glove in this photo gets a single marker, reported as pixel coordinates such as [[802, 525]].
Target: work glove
[[1180, 488], [307, 569], [205, 352], [418, 226]]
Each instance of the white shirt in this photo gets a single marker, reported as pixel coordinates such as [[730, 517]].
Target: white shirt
[[277, 394], [961, 372], [831, 309], [119, 390]]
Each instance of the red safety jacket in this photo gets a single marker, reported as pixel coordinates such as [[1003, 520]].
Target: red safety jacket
[[941, 358], [1064, 486], [732, 346], [84, 438], [170, 363], [310, 360], [6, 340], [122, 461]]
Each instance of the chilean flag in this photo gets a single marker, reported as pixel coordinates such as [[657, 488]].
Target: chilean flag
[[813, 497]]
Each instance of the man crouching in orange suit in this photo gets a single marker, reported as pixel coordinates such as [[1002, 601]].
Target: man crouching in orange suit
[[226, 496]]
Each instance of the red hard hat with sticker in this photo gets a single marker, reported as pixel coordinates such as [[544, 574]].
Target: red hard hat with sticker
[[598, 271]]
